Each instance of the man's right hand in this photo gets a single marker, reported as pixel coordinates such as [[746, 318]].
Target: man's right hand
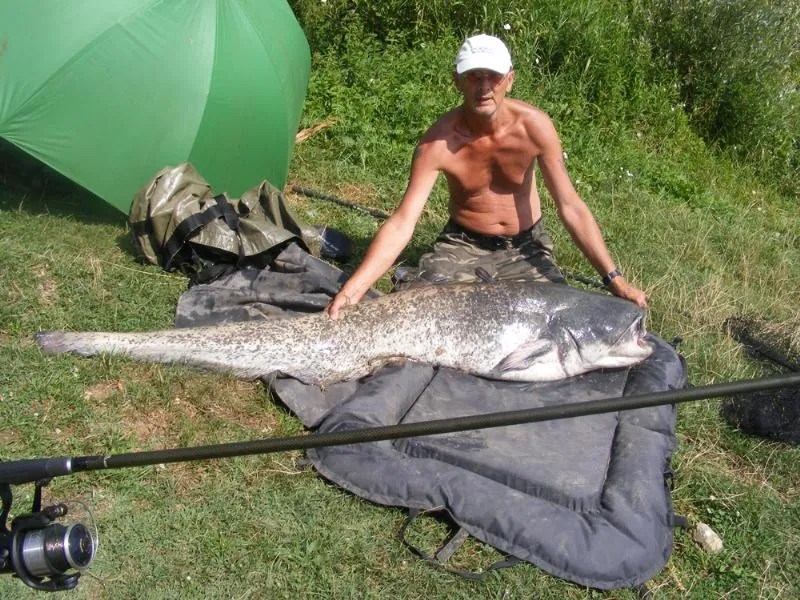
[[339, 301]]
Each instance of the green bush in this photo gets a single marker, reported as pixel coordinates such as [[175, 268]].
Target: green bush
[[381, 99], [603, 68], [376, 63], [737, 68], [595, 47], [407, 23]]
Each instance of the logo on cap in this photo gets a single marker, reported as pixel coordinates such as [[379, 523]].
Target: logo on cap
[[483, 52]]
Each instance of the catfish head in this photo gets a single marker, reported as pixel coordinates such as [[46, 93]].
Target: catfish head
[[580, 333], [594, 337]]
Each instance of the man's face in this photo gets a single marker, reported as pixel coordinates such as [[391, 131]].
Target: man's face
[[483, 90]]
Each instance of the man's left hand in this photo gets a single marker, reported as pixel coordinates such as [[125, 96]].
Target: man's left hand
[[619, 287]]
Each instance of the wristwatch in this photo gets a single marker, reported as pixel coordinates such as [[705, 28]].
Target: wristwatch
[[608, 278]]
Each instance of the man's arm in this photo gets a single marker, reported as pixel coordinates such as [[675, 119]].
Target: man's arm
[[576, 216], [394, 234]]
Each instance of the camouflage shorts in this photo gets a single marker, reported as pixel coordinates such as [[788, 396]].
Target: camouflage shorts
[[461, 255]]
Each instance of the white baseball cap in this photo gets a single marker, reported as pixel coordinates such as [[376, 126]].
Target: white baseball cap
[[483, 52]]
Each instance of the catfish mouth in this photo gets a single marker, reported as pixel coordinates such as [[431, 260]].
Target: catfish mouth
[[635, 331], [640, 333]]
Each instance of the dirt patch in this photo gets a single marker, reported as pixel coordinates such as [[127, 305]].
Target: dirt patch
[[194, 407], [41, 409], [238, 406], [231, 400], [103, 390], [189, 479], [363, 194], [150, 426], [10, 437], [46, 287], [25, 341]]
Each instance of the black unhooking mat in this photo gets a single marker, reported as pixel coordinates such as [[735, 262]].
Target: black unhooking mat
[[583, 498]]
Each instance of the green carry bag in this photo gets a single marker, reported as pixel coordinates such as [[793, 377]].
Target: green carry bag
[[179, 223]]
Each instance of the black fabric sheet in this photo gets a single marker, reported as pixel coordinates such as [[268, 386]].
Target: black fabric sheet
[[582, 498]]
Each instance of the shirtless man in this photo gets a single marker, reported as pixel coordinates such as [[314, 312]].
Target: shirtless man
[[488, 149]]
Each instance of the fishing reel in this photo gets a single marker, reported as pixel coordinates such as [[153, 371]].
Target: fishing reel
[[45, 554]]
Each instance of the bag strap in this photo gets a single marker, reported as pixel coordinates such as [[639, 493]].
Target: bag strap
[[448, 549], [142, 228], [210, 273], [232, 220], [189, 227]]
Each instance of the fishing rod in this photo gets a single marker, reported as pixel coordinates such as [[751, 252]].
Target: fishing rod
[[44, 554], [30, 470], [379, 214]]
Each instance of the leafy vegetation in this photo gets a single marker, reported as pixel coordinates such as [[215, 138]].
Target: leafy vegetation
[[680, 126], [729, 69]]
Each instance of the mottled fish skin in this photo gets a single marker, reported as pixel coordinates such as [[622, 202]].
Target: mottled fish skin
[[515, 331]]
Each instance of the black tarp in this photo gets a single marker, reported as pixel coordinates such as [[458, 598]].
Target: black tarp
[[584, 498]]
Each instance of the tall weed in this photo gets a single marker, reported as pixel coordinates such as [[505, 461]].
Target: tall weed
[[737, 65], [605, 65]]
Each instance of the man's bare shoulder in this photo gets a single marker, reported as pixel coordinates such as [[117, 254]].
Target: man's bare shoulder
[[443, 128], [535, 120], [436, 143]]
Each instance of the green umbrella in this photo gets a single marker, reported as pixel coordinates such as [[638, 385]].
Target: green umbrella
[[108, 92]]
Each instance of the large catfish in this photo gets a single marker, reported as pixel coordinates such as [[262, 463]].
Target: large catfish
[[513, 331]]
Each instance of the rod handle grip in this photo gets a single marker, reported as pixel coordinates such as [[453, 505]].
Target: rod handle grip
[[34, 469]]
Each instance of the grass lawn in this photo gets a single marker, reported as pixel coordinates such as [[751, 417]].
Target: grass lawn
[[258, 526], [706, 237]]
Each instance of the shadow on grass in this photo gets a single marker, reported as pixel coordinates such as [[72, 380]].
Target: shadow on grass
[[409, 257], [29, 185]]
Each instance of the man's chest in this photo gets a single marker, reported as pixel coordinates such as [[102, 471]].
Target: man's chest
[[484, 163]]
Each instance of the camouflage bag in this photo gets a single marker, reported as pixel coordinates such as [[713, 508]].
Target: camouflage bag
[[177, 222]]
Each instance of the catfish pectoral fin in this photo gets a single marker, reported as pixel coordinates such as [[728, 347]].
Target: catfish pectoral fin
[[523, 357]]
